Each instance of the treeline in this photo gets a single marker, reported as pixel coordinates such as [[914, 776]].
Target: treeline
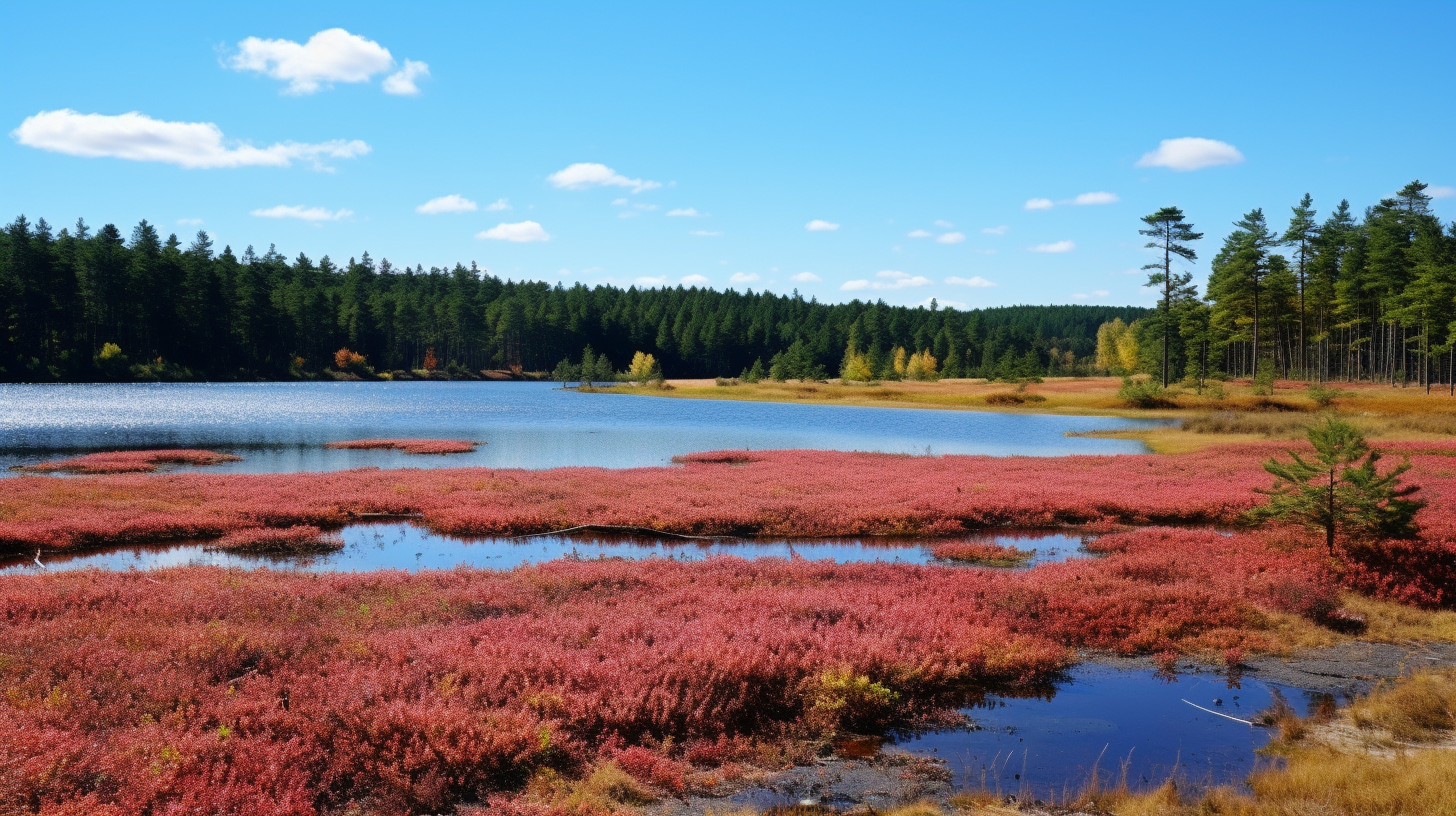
[[82, 305], [1342, 298]]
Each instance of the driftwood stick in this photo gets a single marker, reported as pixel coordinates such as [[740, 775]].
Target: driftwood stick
[[1216, 714], [621, 529], [38, 563]]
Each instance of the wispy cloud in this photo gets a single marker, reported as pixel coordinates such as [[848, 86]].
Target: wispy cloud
[[695, 280], [315, 214], [645, 280], [1040, 204], [805, 277], [705, 233], [1440, 191], [585, 175], [189, 222], [887, 279], [1092, 199], [943, 303], [818, 225], [447, 204], [743, 277], [998, 230], [523, 232], [684, 212], [920, 233], [1055, 247], [1191, 153], [402, 82], [977, 282], [951, 238], [138, 137], [943, 224], [499, 205]]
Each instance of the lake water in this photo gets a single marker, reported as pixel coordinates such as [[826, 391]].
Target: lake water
[[407, 547], [281, 427]]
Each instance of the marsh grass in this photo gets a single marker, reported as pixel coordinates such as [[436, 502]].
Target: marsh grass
[[1421, 708]]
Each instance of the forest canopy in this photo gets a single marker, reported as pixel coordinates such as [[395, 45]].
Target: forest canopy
[[82, 304]]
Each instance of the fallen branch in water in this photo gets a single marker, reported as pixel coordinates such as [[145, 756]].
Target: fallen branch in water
[[619, 529], [1216, 714]]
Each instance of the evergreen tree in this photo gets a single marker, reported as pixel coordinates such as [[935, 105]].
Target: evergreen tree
[[1170, 234]]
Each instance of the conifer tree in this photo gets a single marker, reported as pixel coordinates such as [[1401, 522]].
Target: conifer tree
[[1170, 234]]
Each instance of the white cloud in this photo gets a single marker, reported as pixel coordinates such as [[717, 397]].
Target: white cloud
[[1095, 198], [137, 137], [1000, 230], [523, 232], [943, 224], [498, 205], [705, 234], [190, 222], [452, 203], [918, 234], [647, 207], [1039, 204], [684, 212], [584, 175], [1191, 153], [402, 82], [695, 280], [887, 279], [818, 225], [1102, 293], [977, 282], [951, 238], [743, 277], [332, 55], [1440, 191], [649, 281], [619, 202], [1058, 246], [805, 277], [1096, 293], [302, 213]]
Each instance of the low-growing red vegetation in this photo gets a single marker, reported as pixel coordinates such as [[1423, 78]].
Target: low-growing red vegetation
[[780, 493], [986, 553], [136, 461], [426, 446], [297, 538], [202, 690]]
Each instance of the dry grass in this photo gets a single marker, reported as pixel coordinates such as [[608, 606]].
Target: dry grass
[[1421, 708]]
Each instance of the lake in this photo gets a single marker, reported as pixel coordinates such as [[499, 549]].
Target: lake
[[281, 427]]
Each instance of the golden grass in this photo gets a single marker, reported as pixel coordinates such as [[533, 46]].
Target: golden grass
[[1419, 708]]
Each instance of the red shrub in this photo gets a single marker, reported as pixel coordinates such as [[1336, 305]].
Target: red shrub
[[143, 461], [297, 538], [435, 446], [982, 552]]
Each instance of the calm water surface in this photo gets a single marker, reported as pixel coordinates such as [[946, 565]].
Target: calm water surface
[[280, 427], [406, 547]]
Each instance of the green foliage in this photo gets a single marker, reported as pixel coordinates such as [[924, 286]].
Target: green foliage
[[566, 371], [112, 364], [1145, 394], [755, 373], [1337, 492], [795, 363], [842, 700], [1324, 395], [1171, 235]]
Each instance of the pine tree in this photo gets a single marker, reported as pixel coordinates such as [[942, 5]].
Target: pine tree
[[1302, 234], [1170, 234]]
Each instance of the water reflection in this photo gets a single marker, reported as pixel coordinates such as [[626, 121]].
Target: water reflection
[[407, 547], [281, 427]]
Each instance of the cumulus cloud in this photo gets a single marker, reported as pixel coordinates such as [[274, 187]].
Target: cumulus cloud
[[943, 224], [887, 279], [1086, 199], [818, 225], [523, 232], [695, 280], [1055, 247], [999, 230], [1083, 200], [805, 277], [314, 214], [1440, 191], [585, 175], [332, 55], [138, 137], [684, 212], [918, 234], [644, 280], [402, 82], [1039, 204], [705, 233], [951, 238], [743, 277], [977, 282], [498, 205], [1191, 153], [452, 203]]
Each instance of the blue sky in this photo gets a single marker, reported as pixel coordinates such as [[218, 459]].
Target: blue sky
[[884, 120]]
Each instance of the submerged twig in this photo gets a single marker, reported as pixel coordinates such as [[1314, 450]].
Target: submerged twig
[[39, 564], [624, 529], [1217, 714]]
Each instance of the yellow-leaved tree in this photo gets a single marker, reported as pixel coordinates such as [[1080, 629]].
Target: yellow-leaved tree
[[644, 368], [1117, 349], [856, 365], [920, 366]]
